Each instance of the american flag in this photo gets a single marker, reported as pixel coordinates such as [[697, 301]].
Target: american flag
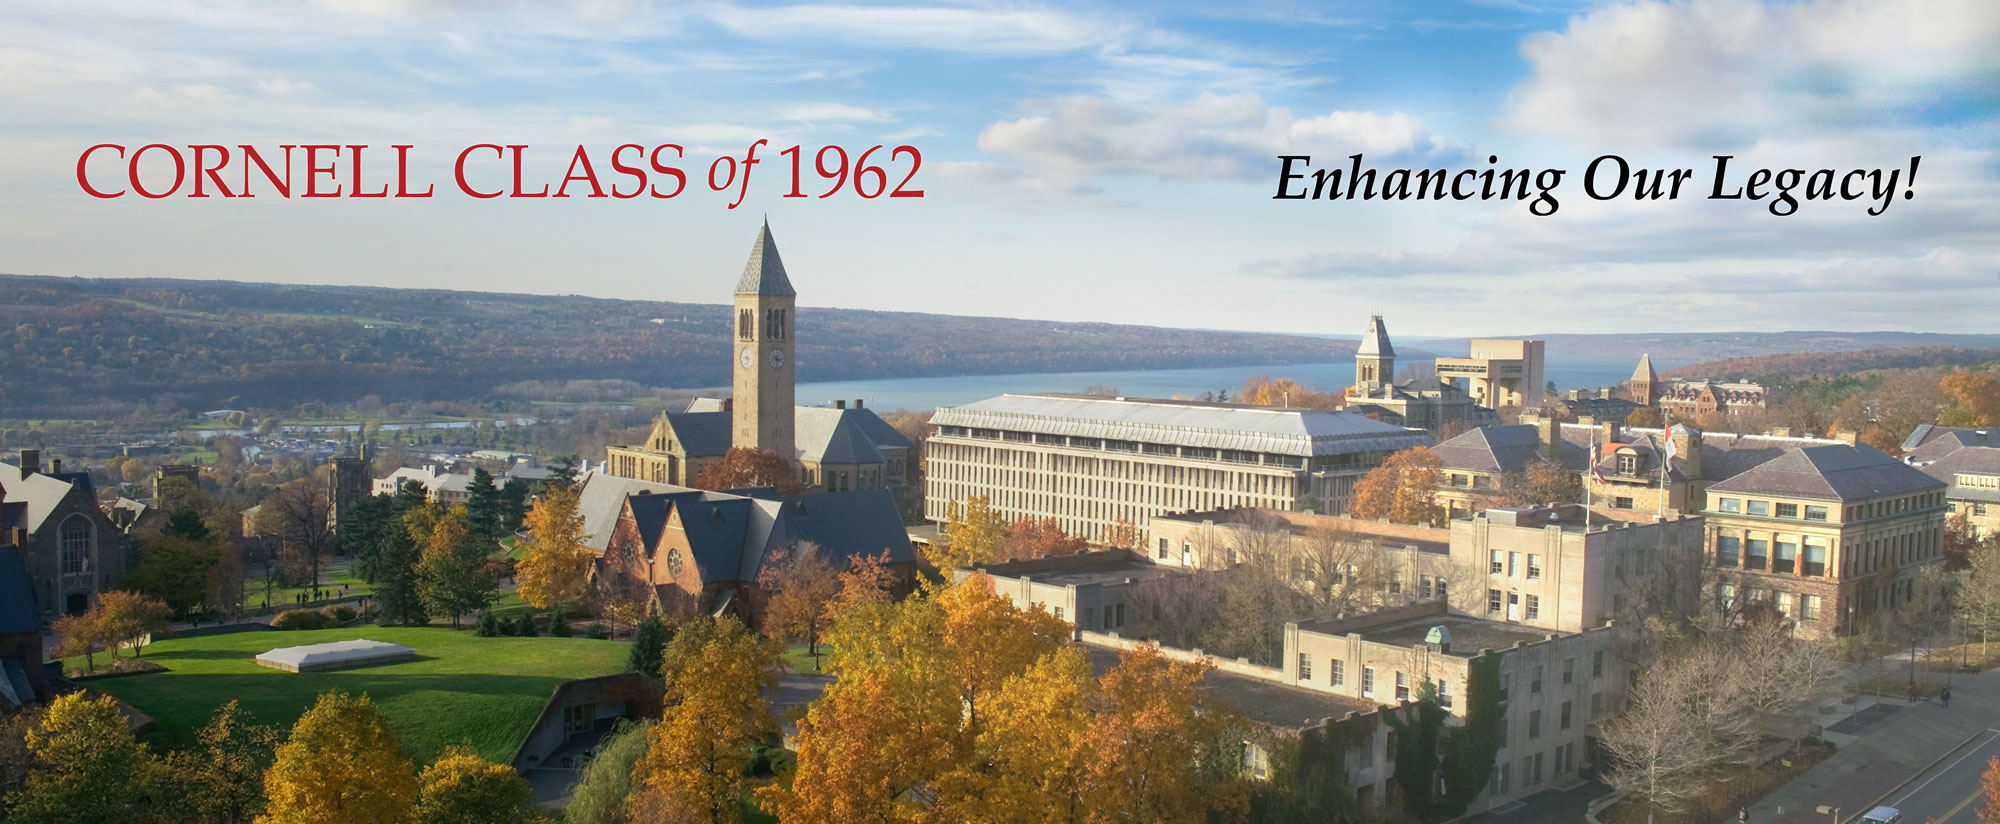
[[1596, 471]]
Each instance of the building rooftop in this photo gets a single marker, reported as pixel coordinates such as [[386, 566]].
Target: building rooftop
[[1265, 702], [1424, 538], [1302, 432], [1830, 473], [1469, 635], [1103, 567]]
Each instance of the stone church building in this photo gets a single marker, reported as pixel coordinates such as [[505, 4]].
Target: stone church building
[[71, 549], [835, 449]]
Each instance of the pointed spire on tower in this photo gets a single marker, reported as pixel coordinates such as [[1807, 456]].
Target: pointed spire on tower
[[1644, 371], [764, 274], [1376, 340]]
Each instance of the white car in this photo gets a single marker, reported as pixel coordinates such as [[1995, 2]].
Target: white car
[[1882, 815]]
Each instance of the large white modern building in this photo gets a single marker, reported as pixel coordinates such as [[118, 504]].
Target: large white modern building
[[1091, 462]]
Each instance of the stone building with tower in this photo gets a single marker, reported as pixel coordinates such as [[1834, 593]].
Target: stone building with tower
[[835, 449], [71, 549], [1694, 398], [1422, 402]]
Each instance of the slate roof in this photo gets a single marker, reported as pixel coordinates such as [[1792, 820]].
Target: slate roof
[[1929, 442], [1302, 432], [716, 531], [1832, 473], [39, 494], [1375, 341], [1644, 371], [603, 498], [764, 274], [820, 434], [1976, 460], [17, 595], [1503, 450]]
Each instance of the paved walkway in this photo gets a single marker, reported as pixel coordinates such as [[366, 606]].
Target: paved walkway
[[1883, 748]]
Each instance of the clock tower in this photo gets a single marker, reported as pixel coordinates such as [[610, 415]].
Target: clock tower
[[763, 407]]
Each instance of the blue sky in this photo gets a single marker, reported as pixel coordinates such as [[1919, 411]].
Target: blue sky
[[1082, 161]]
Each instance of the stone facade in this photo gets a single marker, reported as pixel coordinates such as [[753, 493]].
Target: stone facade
[[71, 549], [763, 369], [1499, 373]]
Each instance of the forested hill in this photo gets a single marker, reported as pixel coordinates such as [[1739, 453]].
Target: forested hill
[[1779, 368], [74, 347]]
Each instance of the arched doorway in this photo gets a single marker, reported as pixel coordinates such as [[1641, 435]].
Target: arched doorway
[[77, 604]]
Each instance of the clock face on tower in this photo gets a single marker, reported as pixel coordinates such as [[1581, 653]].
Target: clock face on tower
[[749, 358], [777, 359]]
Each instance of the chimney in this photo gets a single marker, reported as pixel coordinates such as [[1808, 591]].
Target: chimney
[[1781, 431], [55, 467], [31, 462], [1548, 431], [728, 404], [1847, 436], [1687, 447], [840, 404], [857, 403], [1607, 431]]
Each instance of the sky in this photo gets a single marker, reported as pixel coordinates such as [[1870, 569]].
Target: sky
[[1089, 161]]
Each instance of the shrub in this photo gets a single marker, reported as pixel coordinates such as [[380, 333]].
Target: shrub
[[488, 625], [525, 627], [302, 619], [598, 632], [558, 625], [340, 613]]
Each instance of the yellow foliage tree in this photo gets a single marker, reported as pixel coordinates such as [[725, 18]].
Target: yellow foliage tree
[[557, 566], [1403, 489], [88, 766], [974, 534], [342, 765], [1029, 763], [462, 788], [716, 672], [990, 640], [1170, 740]]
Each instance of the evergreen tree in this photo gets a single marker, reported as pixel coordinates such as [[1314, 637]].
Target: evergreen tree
[[396, 597], [366, 530], [482, 507], [488, 625], [513, 504], [649, 640], [525, 627], [558, 625]]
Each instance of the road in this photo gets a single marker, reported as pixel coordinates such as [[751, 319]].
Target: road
[[1949, 792]]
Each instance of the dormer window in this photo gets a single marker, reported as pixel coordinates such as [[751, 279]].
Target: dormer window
[[1628, 464]]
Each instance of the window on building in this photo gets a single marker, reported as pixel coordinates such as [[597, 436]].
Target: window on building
[[1815, 513], [1787, 558], [1534, 565], [1628, 464], [1305, 667], [1402, 686], [1086, 618], [1621, 502], [1499, 565], [1562, 718], [1788, 510], [1597, 664], [1758, 507], [1367, 682], [74, 540], [1534, 724], [1597, 705], [1506, 687], [1808, 607], [1441, 594], [1444, 694], [1493, 600], [1336, 672], [1187, 553], [1163, 549], [1728, 505], [1513, 564], [1569, 670], [1785, 604], [1728, 550], [1756, 551], [1815, 562], [1059, 613], [1535, 681], [1534, 607], [1395, 583]]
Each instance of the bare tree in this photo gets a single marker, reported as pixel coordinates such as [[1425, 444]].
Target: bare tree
[[1343, 571], [1979, 594], [299, 515], [1682, 719]]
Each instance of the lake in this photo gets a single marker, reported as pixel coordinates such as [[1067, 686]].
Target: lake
[[930, 393]]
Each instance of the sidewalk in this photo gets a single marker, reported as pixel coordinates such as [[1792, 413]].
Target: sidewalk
[[1883, 747]]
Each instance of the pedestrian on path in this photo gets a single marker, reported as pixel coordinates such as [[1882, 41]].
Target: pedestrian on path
[[1945, 696], [1913, 692]]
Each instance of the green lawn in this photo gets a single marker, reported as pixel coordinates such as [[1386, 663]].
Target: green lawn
[[332, 576], [484, 692]]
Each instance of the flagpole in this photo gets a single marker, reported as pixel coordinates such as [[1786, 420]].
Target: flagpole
[[1587, 476], [1667, 457]]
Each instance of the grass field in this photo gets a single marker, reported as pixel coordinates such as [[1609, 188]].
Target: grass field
[[332, 576], [464, 689]]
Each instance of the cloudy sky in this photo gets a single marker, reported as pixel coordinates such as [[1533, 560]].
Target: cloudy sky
[[1081, 162]]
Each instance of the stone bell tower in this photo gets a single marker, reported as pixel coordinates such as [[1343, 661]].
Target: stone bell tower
[[763, 409]]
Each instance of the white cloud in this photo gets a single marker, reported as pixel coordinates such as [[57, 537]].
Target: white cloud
[[994, 31], [1210, 137], [823, 112]]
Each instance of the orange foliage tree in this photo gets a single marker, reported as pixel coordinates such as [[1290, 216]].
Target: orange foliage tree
[[1403, 489], [1266, 391], [742, 467], [799, 584], [1031, 538]]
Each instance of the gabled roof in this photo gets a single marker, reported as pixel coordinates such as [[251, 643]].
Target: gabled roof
[[1644, 371], [820, 434], [1833, 473], [603, 498], [39, 494], [764, 274], [1375, 341], [1498, 449], [844, 525], [1929, 442], [1970, 460], [716, 529], [702, 434]]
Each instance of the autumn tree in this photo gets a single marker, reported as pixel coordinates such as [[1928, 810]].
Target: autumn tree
[[452, 576], [1121, 534], [81, 635], [800, 584], [88, 766], [604, 791], [1989, 790], [1542, 483], [1959, 541], [1031, 538], [1973, 398], [1403, 489], [1030, 762], [972, 534], [556, 569], [178, 569], [128, 619], [1177, 762], [1285, 392], [463, 788], [743, 467], [716, 672], [342, 763], [1646, 417], [298, 515], [221, 779]]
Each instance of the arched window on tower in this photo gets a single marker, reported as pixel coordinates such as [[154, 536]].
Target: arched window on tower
[[746, 324]]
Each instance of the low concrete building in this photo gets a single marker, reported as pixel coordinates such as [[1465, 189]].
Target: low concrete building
[[1091, 590], [1498, 373], [572, 723]]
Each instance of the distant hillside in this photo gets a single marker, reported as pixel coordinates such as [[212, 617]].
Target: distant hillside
[[73, 347], [1686, 347], [1777, 368]]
